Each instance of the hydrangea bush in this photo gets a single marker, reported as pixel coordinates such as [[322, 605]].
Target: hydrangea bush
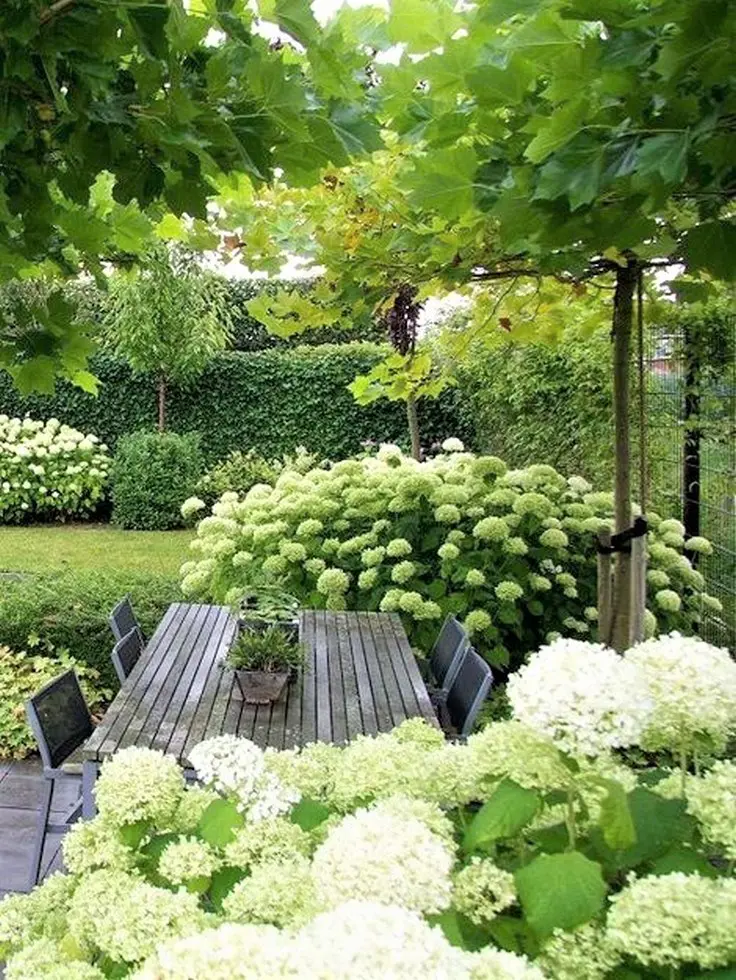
[[49, 470], [531, 851], [511, 552]]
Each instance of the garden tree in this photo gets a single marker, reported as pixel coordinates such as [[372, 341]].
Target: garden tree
[[168, 100], [168, 317], [596, 138]]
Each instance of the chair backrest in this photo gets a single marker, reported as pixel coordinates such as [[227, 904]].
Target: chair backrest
[[125, 654], [468, 692], [59, 718], [122, 620], [448, 653]]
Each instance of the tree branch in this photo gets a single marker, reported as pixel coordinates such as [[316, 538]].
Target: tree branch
[[55, 8]]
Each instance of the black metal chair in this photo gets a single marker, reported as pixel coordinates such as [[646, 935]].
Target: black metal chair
[[446, 656], [61, 723], [126, 653], [122, 620], [468, 692]]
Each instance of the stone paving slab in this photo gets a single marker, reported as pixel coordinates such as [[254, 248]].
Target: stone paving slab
[[20, 792]]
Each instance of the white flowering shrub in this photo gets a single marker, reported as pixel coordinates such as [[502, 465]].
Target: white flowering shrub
[[530, 852], [49, 471], [511, 552]]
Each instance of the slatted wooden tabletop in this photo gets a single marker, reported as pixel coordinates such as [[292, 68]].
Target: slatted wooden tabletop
[[359, 677]]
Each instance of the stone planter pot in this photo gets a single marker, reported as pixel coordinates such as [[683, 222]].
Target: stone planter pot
[[261, 686]]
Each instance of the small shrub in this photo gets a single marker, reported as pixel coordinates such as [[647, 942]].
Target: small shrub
[[240, 471], [69, 611], [49, 470], [21, 675], [152, 474]]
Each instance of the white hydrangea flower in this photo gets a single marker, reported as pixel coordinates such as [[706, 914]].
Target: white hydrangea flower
[[453, 445], [374, 855], [583, 696], [498, 964], [693, 687], [192, 506], [47, 959], [481, 890], [712, 801], [187, 860], [280, 893], [236, 767], [371, 941], [139, 785], [675, 919]]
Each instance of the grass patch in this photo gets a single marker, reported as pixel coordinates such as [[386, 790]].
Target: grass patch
[[94, 547]]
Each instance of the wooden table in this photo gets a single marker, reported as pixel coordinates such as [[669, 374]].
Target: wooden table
[[359, 677]]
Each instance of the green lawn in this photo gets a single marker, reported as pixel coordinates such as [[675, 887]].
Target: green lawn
[[91, 546]]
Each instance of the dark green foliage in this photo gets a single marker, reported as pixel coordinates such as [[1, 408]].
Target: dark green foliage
[[153, 474], [271, 401], [69, 610], [539, 403]]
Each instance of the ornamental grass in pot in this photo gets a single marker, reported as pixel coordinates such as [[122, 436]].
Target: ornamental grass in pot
[[265, 607], [263, 660]]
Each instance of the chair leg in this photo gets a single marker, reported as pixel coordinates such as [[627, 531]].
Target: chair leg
[[43, 819], [89, 777]]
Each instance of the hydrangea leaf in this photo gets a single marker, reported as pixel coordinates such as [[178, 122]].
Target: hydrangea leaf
[[220, 822], [560, 891], [509, 808], [615, 819], [658, 823], [133, 833], [460, 931], [309, 814], [222, 883]]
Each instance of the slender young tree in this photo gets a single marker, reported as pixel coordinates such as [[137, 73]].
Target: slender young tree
[[168, 319]]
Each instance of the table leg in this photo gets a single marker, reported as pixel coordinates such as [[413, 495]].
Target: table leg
[[89, 777]]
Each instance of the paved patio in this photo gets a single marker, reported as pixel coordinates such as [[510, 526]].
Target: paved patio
[[20, 792]]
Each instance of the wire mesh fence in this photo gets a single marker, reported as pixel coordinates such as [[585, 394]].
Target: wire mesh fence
[[691, 422]]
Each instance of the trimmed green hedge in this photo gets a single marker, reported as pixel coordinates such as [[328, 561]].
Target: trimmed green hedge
[[271, 401], [70, 610]]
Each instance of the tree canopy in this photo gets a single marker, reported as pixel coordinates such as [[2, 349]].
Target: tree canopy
[[119, 121]]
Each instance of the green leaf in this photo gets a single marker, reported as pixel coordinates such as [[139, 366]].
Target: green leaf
[[149, 21], [557, 130], [223, 881], [509, 808], [443, 181], [459, 930], [712, 246], [658, 824], [422, 24], [220, 822], [681, 858], [615, 819], [560, 891], [665, 155], [131, 834], [309, 814]]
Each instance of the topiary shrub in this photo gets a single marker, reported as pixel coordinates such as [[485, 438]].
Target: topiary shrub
[[49, 471], [69, 611], [152, 474], [512, 552]]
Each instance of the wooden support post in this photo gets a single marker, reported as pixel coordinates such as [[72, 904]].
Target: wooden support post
[[638, 588], [604, 589]]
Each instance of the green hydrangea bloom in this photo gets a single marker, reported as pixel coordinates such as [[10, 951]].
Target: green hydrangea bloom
[[333, 581], [448, 551], [477, 621], [475, 578], [402, 572], [367, 579], [315, 566], [668, 600], [516, 546], [491, 529], [553, 538], [398, 548], [447, 514], [372, 556], [508, 591]]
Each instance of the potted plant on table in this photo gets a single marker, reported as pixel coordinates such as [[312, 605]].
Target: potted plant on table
[[263, 661], [262, 608]]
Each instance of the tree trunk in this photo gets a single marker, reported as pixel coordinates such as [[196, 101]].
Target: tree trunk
[[161, 403], [413, 419], [691, 448], [623, 306]]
